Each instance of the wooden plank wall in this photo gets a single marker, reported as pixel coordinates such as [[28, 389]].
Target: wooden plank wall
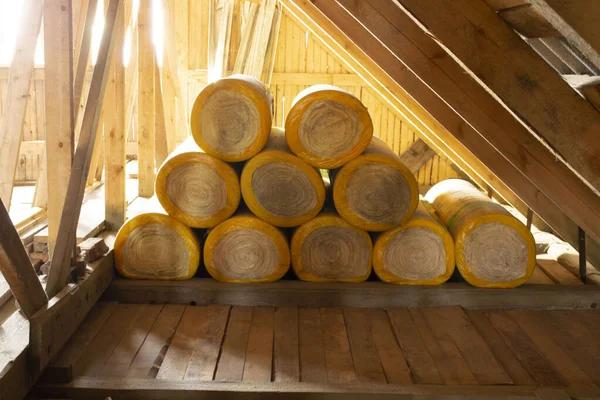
[[301, 62], [33, 128]]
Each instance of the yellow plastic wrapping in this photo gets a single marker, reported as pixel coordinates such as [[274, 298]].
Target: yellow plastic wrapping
[[140, 221], [252, 89], [377, 153], [277, 151], [327, 220], [317, 93], [247, 221], [463, 208], [186, 154], [420, 219]]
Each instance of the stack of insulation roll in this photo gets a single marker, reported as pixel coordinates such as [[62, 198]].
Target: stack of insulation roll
[[244, 201]]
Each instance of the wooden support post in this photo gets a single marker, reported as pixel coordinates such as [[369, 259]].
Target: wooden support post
[[17, 93], [115, 134], [65, 243], [235, 35], [160, 134], [58, 49], [256, 57], [529, 218], [83, 55], [97, 153], [147, 117], [582, 254], [417, 155], [17, 269]]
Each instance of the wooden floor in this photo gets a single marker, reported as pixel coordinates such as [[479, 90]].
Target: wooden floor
[[332, 346]]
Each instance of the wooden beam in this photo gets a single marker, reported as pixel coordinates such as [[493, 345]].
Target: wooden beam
[[17, 269], [264, 21], [115, 135], [147, 117], [139, 389], [417, 155], [235, 35], [52, 326], [160, 133], [367, 294], [528, 22], [17, 94], [519, 77], [589, 87], [58, 50], [83, 53], [480, 147], [577, 21], [61, 259]]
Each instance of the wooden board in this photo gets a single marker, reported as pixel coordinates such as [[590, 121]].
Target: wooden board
[[366, 294], [344, 345]]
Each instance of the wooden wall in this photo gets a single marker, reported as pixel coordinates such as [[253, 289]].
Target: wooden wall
[[34, 129]]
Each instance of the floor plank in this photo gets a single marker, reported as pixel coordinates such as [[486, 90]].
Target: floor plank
[[557, 356], [230, 367], [286, 364], [259, 355], [364, 352], [61, 369], [203, 360], [391, 355], [340, 368], [93, 361], [417, 355], [122, 356], [472, 347], [149, 358], [526, 351], [313, 367], [452, 366], [557, 272], [582, 345], [501, 351]]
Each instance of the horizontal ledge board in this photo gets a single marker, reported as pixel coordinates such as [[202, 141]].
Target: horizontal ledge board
[[85, 387], [201, 291]]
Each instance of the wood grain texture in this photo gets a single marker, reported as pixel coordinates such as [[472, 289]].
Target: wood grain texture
[[52, 326], [286, 363], [365, 356], [58, 69], [366, 294], [456, 324], [146, 106], [567, 126], [151, 354], [17, 269], [501, 351], [526, 351], [340, 366], [313, 367], [65, 241], [17, 94], [61, 369], [233, 351], [259, 354]]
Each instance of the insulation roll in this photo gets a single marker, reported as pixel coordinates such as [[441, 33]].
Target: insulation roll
[[231, 118], [281, 188], [327, 126], [328, 249], [156, 246], [420, 252], [492, 248], [375, 191], [246, 249], [197, 189]]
